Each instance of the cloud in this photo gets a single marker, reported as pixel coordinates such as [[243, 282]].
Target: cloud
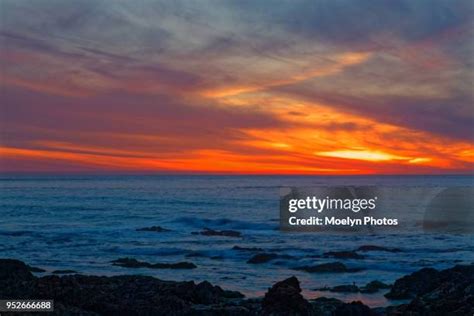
[[181, 82]]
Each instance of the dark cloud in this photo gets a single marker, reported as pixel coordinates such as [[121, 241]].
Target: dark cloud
[[350, 21], [108, 120]]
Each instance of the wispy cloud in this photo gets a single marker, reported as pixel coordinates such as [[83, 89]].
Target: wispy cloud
[[246, 86]]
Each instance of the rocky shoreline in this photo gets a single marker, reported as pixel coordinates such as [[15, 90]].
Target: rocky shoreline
[[432, 292]]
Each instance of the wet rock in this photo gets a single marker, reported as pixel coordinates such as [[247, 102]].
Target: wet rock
[[64, 271], [453, 294], [374, 286], [416, 283], [343, 255], [212, 232], [284, 298], [345, 288], [370, 287], [133, 263], [262, 258], [247, 248], [377, 248], [157, 229], [117, 295], [16, 280], [325, 306], [36, 269], [331, 267], [437, 293], [353, 309], [210, 294]]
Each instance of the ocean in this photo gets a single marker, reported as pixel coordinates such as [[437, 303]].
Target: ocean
[[82, 223]]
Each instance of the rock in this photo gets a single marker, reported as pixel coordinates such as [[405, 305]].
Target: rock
[[416, 283], [247, 248], [377, 248], [16, 280], [195, 254], [331, 267], [323, 289], [211, 232], [63, 271], [371, 287], [133, 263], [210, 294], [36, 269], [448, 292], [374, 286], [345, 288], [284, 298], [117, 295], [343, 255], [157, 229], [323, 306], [353, 309], [262, 258]]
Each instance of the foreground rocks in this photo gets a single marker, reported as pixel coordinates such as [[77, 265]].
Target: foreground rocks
[[284, 298], [118, 295], [451, 292], [437, 293]]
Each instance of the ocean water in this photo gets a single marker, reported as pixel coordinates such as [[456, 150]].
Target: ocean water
[[84, 222]]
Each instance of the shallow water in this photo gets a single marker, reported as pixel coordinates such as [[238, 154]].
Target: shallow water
[[84, 222]]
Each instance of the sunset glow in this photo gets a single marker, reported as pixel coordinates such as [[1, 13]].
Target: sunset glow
[[231, 87]]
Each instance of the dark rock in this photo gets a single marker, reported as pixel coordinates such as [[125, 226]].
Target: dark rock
[[209, 294], [345, 288], [262, 258], [416, 283], [64, 271], [371, 287], [211, 232], [134, 263], [284, 298], [16, 280], [157, 229], [323, 289], [195, 254], [247, 248], [353, 309], [36, 269], [377, 248], [118, 295], [446, 292], [325, 306], [374, 286], [331, 267], [343, 255]]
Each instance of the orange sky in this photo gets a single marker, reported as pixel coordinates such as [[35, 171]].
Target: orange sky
[[235, 90]]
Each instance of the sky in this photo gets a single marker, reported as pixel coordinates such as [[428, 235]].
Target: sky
[[252, 87]]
